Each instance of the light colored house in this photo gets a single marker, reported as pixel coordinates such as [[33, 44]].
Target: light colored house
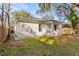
[[67, 29], [37, 27]]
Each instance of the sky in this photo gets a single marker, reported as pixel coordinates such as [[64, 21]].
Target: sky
[[29, 7], [32, 8]]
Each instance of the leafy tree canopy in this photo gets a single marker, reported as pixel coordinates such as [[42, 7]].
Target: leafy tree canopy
[[44, 7], [22, 13], [73, 17]]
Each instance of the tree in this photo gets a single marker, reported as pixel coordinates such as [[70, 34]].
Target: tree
[[2, 19], [21, 14], [74, 18], [7, 12], [70, 13], [44, 8]]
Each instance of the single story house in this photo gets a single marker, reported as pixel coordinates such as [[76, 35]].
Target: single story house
[[37, 27]]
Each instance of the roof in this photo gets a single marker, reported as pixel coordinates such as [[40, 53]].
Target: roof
[[66, 25], [36, 20]]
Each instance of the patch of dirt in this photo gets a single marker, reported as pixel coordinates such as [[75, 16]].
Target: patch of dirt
[[16, 43], [65, 38]]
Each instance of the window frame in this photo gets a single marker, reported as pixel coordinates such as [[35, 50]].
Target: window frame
[[40, 27]]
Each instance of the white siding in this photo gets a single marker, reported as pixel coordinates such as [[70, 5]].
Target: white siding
[[32, 29], [28, 29]]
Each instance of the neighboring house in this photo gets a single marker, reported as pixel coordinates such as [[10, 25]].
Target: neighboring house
[[37, 27], [67, 29]]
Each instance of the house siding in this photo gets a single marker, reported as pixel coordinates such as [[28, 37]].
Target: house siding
[[28, 29], [32, 29]]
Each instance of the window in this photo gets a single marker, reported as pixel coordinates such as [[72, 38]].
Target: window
[[12, 31], [55, 27], [40, 28]]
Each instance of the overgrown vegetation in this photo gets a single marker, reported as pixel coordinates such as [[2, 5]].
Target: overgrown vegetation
[[33, 46]]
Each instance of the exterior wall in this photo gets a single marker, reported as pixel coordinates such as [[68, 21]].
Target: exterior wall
[[32, 29], [58, 31], [67, 30], [28, 29], [43, 30]]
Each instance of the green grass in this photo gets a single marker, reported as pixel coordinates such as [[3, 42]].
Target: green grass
[[33, 46]]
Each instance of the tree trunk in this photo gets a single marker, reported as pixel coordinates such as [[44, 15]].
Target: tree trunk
[[2, 19], [74, 27], [8, 12], [77, 29]]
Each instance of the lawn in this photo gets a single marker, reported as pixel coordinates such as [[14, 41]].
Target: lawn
[[41, 46]]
